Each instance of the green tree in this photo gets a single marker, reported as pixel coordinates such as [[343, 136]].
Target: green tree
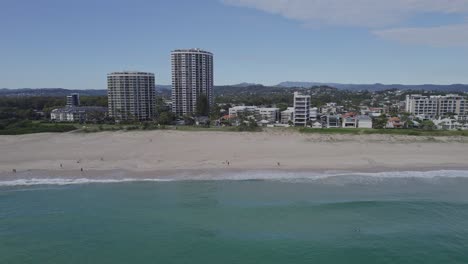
[[428, 125], [165, 118], [380, 122], [203, 106]]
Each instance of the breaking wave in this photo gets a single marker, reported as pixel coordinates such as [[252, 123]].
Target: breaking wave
[[331, 176]]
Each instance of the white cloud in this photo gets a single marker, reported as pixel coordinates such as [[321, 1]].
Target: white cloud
[[379, 15], [363, 13], [443, 36]]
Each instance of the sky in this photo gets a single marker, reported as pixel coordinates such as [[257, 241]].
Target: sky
[[75, 43]]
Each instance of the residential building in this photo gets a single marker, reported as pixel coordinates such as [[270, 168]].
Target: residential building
[[79, 114], [350, 120], [73, 99], [364, 121], [447, 123], [314, 115], [432, 106], [271, 115], [331, 121], [394, 122], [301, 109], [242, 110], [131, 95], [287, 115], [192, 77]]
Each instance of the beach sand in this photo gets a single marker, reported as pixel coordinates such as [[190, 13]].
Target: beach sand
[[170, 153]]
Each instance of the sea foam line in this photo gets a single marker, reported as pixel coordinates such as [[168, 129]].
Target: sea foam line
[[253, 175], [60, 181]]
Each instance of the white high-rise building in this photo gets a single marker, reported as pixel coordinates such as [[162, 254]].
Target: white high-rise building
[[432, 106], [301, 109], [192, 76], [131, 95]]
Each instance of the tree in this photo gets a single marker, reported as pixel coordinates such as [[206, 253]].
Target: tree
[[203, 106], [428, 125], [380, 122], [165, 118]]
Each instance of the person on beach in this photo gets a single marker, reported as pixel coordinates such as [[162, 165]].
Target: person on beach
[[14, 170], [279, 165], [81, 169]]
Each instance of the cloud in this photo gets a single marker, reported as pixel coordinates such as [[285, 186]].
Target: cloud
[[442, 36], [362, 13], [384, 18]]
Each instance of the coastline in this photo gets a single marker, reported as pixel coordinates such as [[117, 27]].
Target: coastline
[[163, 155]]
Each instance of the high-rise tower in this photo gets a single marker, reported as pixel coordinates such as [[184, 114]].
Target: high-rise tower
[[192, 78], [131, 95]]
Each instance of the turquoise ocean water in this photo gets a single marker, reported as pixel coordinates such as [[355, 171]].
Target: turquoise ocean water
[[359, 218]]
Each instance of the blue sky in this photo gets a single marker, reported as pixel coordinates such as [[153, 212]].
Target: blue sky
[[74, 44]]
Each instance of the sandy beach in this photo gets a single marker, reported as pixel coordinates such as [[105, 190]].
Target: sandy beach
[[172, 153]]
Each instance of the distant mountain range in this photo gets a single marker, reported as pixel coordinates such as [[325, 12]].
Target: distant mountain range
[[379, 86], [64, 92], [166, 89]]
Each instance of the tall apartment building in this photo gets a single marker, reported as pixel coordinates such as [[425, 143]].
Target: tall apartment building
[[131, 95], [73, 100], [432, 106], [192, 76], [301, 109]]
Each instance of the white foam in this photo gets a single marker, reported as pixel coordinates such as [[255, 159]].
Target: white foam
[[255, 175], [59, 181]]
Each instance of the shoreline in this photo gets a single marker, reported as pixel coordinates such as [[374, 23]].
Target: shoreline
[[212, 174]]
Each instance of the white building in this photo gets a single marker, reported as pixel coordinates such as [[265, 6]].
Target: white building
[[301, 109], [364, 121], [433, 106], [271, 115], [192, 76], [131, 95], [287, 115], [78, 114], [314, 114], [350, 122], [236, 111]]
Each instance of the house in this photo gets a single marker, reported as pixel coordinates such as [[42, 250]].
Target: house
[[202, 121], [447, 123], [350, 120], [364, 121], [317, 125], [394, 122], [331, 121]]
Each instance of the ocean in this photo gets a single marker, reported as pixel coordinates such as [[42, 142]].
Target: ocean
[[391, 217]]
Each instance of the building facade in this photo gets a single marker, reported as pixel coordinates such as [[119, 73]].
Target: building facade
[[271, 115], [73, 100], [287, 116], [301, 109], [131, 95], [432, 106], [79, 114], [192, 77]]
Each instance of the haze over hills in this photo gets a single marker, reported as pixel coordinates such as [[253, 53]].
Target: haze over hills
[[379, 86], [166, 89]]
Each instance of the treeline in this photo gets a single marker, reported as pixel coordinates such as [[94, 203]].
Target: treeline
[[23, 115]]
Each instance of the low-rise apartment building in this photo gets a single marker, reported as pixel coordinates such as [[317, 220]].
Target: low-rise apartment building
[[432, 106]]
